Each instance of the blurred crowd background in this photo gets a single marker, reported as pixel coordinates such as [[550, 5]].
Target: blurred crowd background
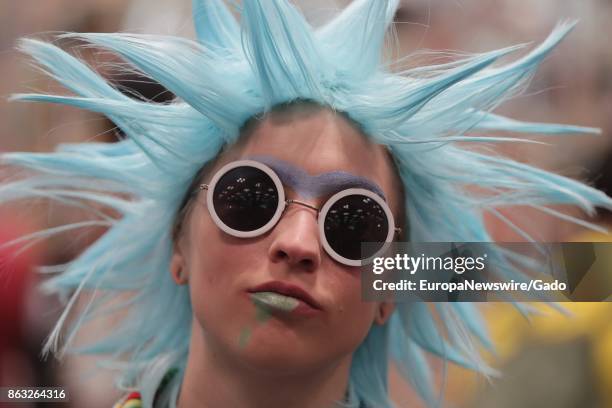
[[548, 361]]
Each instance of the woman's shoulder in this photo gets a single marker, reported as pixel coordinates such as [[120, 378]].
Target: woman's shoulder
[[132, 400]]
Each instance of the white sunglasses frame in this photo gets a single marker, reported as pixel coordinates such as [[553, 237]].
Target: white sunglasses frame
[[283, 203]]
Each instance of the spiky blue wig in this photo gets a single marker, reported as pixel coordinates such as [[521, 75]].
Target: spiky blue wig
[[230, 74]]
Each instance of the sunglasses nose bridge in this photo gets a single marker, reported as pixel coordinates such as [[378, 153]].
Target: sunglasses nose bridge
[[303, 204], [296, 240]]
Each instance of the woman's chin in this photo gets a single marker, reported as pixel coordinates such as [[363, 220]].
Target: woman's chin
[[281, 355]]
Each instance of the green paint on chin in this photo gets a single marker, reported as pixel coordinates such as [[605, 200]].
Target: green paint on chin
[[261, 315], [243, 339]]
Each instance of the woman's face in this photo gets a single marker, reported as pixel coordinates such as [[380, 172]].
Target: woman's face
[[222, 271]]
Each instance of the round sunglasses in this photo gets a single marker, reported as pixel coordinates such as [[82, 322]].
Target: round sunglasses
[[246, 199]]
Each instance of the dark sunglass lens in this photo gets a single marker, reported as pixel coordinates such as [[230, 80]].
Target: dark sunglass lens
[[245, 198], [352, 220]]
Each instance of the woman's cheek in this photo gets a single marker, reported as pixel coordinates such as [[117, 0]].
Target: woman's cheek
[[345, 284], [351, 310]]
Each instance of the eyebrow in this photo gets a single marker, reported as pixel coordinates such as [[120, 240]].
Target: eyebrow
[[318, 185]]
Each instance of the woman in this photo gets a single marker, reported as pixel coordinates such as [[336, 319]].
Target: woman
[[257, 348], [253, 298]]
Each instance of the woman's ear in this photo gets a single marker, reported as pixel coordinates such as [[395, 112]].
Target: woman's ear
[[384, 312], [177, 267]]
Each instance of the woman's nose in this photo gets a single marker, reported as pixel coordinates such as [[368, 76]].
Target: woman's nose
[[295, 239]]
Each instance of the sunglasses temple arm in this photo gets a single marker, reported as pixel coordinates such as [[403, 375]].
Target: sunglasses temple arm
[[398, 232], [200, 188]]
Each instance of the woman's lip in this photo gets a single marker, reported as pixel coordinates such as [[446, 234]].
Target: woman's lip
[[278, 304], [287, 289], [275, 301]]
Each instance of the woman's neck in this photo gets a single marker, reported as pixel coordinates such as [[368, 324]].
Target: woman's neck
[[215, 380]]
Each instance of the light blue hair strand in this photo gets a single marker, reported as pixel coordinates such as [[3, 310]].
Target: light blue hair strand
[[231, 73]]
